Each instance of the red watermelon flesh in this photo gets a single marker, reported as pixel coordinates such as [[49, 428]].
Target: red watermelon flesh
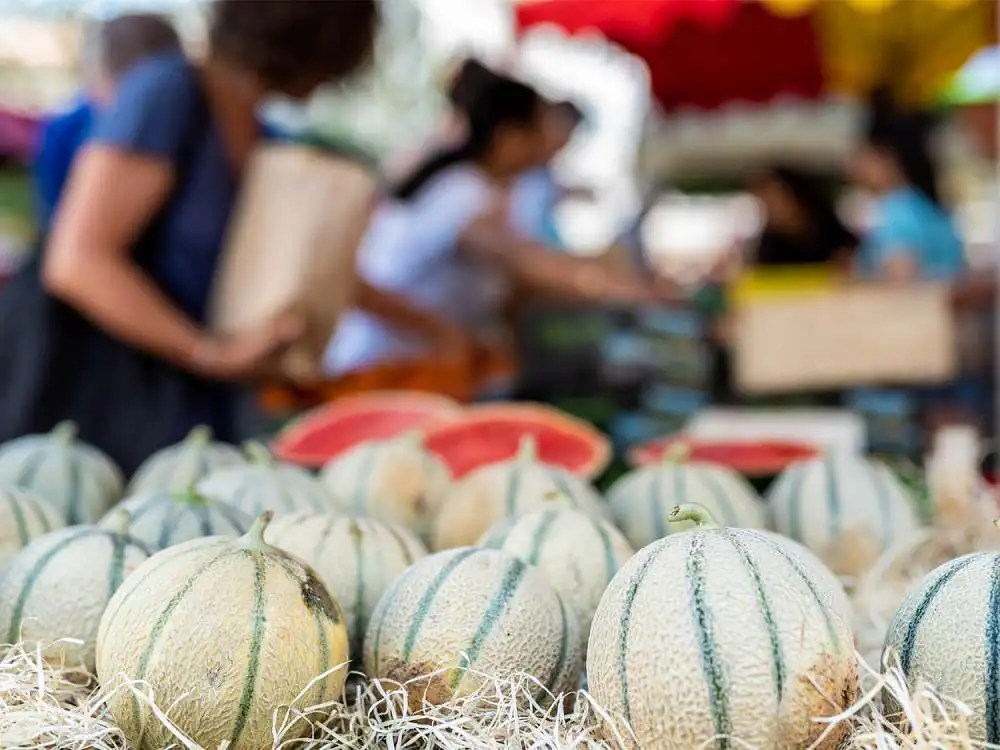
[[490, 434], [327, 431], [756, 458]]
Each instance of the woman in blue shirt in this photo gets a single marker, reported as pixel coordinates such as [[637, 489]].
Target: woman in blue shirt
[[108, 328], [116, 46]]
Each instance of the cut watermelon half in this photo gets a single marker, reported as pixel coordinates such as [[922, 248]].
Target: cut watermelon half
[[327, 431], [488, 434], [759, 458]]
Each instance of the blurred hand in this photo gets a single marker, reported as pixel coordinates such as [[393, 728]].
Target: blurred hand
[[246, 355]]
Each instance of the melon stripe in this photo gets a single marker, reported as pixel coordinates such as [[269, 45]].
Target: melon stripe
[[767, 613], [704, 626], [167, 526], [654, 506], [882, 494], [256, 641], [559, 480], [626, 619], [205, 521], [423, 608], [804, 576], [226, 512], [15, 508], [39, 513], [550, 684], [116, 570], [74, 490], [513, 485], [910, 639], [26, 476], [794, 514], [354, 532], [161, 622], [832, 496], [498, 535], [610, 561], [501, 599], [321, 542], [364, 472], [538, 538], [33, 575], [324, 644], [992, 635], [729, 516], [403, 547]]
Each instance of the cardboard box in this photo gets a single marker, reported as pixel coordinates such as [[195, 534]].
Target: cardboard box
[[853, 336], [293, 244]]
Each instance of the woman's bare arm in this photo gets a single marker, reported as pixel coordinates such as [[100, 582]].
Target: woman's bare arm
[[111, 197], [544, 271], [396, 312]]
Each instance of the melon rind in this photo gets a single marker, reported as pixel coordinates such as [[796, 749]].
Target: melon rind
[[468, 612], [180, 466], [722, 632], [24, 517]]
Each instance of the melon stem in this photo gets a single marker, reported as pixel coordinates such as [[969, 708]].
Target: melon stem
[[65, 432], [254, 539], [698, 514], [119, 521], [189, 495], [413, 439], [527, 452], [677, 453], [258, 453], [200, 435]]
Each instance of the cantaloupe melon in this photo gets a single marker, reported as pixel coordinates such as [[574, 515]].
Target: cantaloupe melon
[[59, 585], [24, 516], [721, 633], [642, 499], [946, 633], [394, 480], [264, 484], [356, 558], [163, 518], [471, 609], [577, 554], [79, 480], [225, 631], [181, 465], [507, 489], [845, 508]]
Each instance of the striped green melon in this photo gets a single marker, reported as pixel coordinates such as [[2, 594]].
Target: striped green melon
[[463, 613], [722, 633], [642, 499], [577, 554], [488, 495], [24, 516], [225, 631], [356, 558], [394, 480], [163, 518], [180, 466], [265, 484], [946, 633], [59, 585], [79, 480], [845, 508]]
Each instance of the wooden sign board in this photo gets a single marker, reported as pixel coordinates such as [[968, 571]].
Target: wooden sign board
[[292, 244], [854, 336]]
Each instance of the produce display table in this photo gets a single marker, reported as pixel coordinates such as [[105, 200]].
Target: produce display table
[[837, 429]]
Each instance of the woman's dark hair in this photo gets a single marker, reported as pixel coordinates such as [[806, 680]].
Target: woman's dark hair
[[827, 233], [501, 102], [284, 40], [468, 83], [119, 43], [905, 136]]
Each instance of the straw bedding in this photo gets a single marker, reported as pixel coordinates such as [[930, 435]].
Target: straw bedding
[[42, 706]]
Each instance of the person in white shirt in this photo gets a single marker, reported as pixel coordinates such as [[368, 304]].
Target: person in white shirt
[[444, 244]]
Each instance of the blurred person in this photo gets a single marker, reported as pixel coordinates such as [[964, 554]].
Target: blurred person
[[107, 327], [801, 225], [912, 235], [445, 244], [537, 193], [111, 48]]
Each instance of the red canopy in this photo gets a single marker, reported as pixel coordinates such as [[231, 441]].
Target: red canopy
[[700, 53]]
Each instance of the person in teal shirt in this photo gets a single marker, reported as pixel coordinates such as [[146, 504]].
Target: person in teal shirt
[[912, 234]]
